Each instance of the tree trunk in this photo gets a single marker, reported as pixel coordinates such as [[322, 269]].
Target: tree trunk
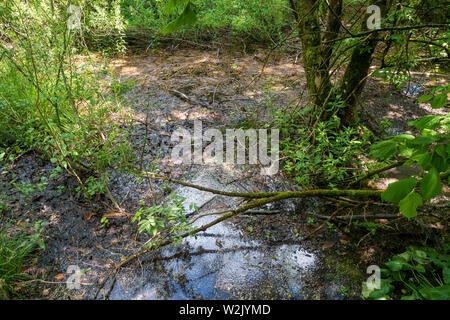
[[314, 62], [317, 55], [355, 75], [332, 30]]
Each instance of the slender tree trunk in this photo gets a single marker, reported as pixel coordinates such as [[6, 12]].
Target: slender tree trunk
[[356, 73], [317, 78], [332, 30]]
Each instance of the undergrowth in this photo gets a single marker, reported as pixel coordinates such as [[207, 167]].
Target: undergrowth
[[16, 250], [324, 153]]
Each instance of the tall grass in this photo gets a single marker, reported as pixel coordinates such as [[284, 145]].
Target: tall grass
[[16, 249]]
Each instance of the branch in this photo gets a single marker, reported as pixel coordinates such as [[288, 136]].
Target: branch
[[374, 172], [283, 194], [402, 28]]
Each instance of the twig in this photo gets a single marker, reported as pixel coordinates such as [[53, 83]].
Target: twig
[[374, 172], [323, 224]]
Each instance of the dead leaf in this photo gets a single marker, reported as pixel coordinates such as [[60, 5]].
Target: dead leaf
[[437, 225], [89, 217], [328, 245], [115, 214], [59, 276]]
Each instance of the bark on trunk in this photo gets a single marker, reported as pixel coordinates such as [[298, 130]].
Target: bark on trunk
[[317, 78], [355, 75], [317, 55]]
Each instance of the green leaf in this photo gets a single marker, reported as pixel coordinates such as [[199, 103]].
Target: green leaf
[[438, 162], [372, 293], [446, 274], [422, 140], [406, 151], [409, 204], [419, 256], [440, 150], [397, 265], [403, 137], [438, 293], [186, 18], [396, 191], [426, 122], [384, 149], [445, 123], [424, 98], [423, 159], [431, 185], [439, 101], [172, 4]]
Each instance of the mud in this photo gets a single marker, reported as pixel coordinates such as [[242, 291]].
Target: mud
[[250, 257]]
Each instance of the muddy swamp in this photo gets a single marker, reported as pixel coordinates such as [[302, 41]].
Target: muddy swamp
[[224, 150]]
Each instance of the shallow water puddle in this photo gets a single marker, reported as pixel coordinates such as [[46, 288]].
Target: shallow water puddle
[[220, 263]]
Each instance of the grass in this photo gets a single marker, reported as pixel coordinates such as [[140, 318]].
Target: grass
[[16, 250]]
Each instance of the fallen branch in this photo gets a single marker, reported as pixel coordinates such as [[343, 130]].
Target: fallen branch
[[284, 194], [263, 198], [187, 99], [361, 217]]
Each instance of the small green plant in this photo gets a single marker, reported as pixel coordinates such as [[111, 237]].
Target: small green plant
[[16, 249], [165, 219], [417, 273], [105, 222], [393, 76], [371, 227], [24, 187], [385, 124], [309, 220]]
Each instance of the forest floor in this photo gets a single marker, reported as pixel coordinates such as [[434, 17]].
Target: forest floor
[[258, 256]]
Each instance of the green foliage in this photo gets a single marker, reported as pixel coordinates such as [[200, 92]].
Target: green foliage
[[16, 249], [93, 186], [417, 273], [104, 221], [206, 19], [103, 25], [369, 226], [322, 154], [49, 102], [187, 17], [430, 150], [398, 190], [163, 220], [393, 75]]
